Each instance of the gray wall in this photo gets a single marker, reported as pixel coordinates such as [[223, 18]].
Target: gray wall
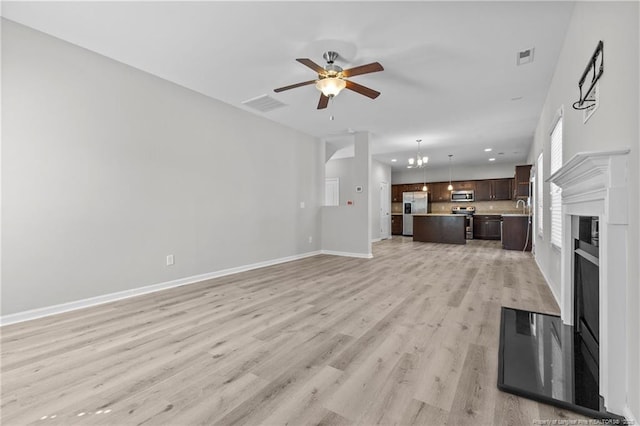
[[106, 170], [346, 229], [614, 125], [441, 174], [343, 169]]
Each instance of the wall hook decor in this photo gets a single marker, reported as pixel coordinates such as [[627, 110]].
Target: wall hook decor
[[594, 69]]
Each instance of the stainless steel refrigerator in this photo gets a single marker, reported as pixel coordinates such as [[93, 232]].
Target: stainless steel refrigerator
[[413, 202]]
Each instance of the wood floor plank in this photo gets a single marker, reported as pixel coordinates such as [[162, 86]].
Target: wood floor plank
[[474, 402], [421, 413], [409, 337]]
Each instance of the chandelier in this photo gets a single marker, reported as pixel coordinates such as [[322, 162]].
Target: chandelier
[[418, 162]]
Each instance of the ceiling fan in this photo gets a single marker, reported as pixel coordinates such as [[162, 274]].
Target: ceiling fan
[[332, 79]]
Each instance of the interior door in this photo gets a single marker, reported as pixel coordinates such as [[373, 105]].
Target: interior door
[[385, 211]]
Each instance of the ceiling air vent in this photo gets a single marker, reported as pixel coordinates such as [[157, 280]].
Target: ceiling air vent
[[263, 103], [525, 56]]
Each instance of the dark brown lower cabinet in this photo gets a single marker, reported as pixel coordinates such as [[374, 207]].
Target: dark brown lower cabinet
[[443, 228], [396, 224], [486, 227], [514, 233]]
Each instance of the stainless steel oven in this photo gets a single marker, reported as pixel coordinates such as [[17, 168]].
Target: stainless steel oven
[[457, 196], [468, 211]]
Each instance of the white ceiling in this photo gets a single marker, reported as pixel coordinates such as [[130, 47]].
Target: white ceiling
[[450, 74]]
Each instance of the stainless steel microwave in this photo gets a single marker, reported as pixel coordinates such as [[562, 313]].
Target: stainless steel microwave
[[462, 195]]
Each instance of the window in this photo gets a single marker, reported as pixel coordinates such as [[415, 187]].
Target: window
[[332, 192], [539, 194], [556, 192]]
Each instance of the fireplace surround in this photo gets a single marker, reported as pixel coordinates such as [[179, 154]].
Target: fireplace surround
[[595, 184]]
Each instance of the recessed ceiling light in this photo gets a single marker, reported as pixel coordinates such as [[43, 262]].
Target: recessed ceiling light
[[393, 160], [492, 159], [487, 150]]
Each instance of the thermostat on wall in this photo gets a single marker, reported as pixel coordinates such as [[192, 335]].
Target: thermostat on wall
[[358, 189]]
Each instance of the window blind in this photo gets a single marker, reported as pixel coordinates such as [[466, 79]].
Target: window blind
[[539, 195], [556, 192]]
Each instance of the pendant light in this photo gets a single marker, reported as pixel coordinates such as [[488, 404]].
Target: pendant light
[[450, 187], [424, 180]]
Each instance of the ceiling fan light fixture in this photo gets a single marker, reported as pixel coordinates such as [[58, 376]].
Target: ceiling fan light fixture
[[330, 86]]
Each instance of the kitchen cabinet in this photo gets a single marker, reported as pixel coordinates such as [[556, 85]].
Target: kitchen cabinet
[[414, 187], [439, 228], [396, 224], [396, 193], [523, 174], [493, 189], [486, 227], [464, 185], [502, 189], [514, 232], [439, 192]]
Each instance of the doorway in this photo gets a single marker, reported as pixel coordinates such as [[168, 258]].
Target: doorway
[[385, 211]]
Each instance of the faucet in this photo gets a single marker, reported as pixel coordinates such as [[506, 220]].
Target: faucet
[[524, 205]]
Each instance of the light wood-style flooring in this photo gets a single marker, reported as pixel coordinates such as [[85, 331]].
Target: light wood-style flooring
[[409, 337]]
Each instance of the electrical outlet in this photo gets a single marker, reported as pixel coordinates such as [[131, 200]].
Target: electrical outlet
[[302, 204], [170, 260], [310, 239]]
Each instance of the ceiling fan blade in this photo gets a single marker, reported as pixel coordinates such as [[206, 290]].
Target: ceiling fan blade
[[308, 62], [362, 89], [363, 69], [323, 102], [293, 86]]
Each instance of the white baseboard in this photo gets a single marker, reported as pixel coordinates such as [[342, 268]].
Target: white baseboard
[[347, 254], [375, 240], [555, 296], [111, 297], [631, 419]]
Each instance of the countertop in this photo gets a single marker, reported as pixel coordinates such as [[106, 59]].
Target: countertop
[[477, 214], [438, 214]]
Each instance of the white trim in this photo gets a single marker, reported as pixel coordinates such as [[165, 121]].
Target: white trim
[[375, 240], [556, 117], [628, 414], [112, 297], [347, 254], [546, 278]]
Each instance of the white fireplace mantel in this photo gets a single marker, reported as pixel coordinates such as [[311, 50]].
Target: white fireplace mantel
[[596, 184]]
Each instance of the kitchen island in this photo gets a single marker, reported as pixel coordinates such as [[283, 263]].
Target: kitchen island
[[439, 228]]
